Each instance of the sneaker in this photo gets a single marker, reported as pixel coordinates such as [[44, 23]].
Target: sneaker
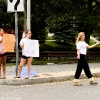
[[93, 83], [77, 84]]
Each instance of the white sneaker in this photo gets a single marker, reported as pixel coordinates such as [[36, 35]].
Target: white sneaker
[[93, 83], [77, 84]]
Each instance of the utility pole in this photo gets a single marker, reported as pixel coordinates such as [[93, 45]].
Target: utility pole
[[25, 19], [29, 14]]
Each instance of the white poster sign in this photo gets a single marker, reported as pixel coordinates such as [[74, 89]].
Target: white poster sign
[[31, 48], [15, 5]]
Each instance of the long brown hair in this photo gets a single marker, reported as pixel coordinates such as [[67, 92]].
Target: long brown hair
[[0, 32], [1, 29], [27, 31], [78, 37]]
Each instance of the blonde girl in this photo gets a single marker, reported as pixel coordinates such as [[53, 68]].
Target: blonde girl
[[81, 47]]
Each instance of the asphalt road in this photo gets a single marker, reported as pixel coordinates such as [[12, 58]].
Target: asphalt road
[[51, 91]]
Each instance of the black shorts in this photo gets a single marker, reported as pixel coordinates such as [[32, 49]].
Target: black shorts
[[4, 54], [25, 57]]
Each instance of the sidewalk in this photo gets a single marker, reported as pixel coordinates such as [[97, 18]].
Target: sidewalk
[[58, 75]]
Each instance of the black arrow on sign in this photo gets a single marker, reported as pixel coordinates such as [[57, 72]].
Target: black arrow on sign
[[15, 7]]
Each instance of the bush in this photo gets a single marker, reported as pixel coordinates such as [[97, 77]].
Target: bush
[[47, 47]]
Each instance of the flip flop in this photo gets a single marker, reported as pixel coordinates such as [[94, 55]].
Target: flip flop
[[18, 77], [3, 78], [26, 77], [14, 77]]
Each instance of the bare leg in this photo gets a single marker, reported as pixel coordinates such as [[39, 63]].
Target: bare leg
[[0, 66], [22, 62], [29, 61], [4, 66]]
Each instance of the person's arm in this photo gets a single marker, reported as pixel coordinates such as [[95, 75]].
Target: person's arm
[[22, 45], [92, 46], [78, 53], [1, 40], [78, 46]]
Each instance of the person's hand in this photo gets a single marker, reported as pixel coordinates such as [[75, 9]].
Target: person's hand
[[98, 42], [22, 45], [78, 57]]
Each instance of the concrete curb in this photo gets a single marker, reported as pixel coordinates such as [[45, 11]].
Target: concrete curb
[[41, 80]]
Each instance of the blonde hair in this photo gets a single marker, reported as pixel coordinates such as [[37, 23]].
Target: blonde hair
[[78, 37]]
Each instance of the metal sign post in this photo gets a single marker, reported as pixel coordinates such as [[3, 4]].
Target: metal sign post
[[16, 6], [28, 14], [17, 50]]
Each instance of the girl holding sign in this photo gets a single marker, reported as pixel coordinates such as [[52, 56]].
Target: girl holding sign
[[2, 55], [24, 58], [82, 60]]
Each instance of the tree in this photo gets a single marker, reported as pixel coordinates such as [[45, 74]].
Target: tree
[[59, 16], [7, 20], [87, 14], [62, 21], [4, 17], [39, 15]]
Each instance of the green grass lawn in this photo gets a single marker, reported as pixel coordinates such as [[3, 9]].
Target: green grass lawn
[[55, 46], [54, 43], [49, 38]]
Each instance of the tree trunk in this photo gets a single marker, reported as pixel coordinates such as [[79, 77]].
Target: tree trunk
[[89, 28], [88, 31]]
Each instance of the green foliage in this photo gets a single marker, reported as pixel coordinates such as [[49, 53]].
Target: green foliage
[[39, 15], [86, 15], [7, 20], [49, 37], [62, 17], [52, 43], [53, 46], [61, 21]]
